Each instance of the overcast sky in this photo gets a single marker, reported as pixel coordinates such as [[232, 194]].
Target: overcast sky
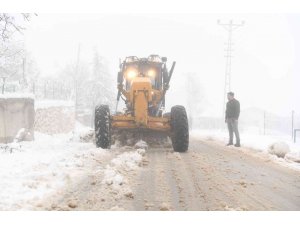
[[264, 68]]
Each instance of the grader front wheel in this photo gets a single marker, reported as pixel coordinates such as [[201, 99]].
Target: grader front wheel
[[102, 126], [179, 129]]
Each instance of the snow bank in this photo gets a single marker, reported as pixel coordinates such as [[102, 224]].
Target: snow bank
[[128, 160], [279, 145], [30, 171], [54, 120], [44, 104], [116, 174], [17, 95]]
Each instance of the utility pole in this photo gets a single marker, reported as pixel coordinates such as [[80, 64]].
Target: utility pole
[[264, 122], [229, 27], [76, 81], [3, 84], [293, 123], [24, 62]]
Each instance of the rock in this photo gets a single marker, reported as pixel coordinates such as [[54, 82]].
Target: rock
[[72, 204], [243, 183], [164, 207], [116, 208], [53, 206], [129, 194]]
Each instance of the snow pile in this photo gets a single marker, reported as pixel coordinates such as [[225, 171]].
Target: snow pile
[[117, 173], [128, 160], [279, 149], [31, 171], [112, 177], [54, 120]]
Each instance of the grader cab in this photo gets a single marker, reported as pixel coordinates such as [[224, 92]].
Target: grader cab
[[142, 85]]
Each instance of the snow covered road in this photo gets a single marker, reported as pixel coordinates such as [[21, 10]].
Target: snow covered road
[[213, 177], [56, 173]]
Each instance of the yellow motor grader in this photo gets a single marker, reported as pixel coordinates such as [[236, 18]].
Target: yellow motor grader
[[142, 84]]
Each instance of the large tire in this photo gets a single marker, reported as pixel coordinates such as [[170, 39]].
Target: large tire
[[179, 129], [102, 126]]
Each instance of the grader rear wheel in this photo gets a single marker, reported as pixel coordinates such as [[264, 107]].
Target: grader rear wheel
[[179, 129]]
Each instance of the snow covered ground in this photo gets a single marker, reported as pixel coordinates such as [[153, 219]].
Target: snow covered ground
[[259, 143], [33, 171]]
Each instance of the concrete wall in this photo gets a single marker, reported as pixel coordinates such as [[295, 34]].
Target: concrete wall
[[15, 114]]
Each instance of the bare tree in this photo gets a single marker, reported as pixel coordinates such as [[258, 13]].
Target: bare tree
[[11, 23], [11, 55]]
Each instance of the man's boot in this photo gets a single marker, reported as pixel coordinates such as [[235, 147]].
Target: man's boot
[[237, 144], [229, 143]]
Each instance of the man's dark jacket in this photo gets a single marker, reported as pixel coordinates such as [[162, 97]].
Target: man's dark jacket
[[232, 109]]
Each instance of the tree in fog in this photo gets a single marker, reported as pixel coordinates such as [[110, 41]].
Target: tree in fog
[[11, 23], [11, 56], [93, 83], [102, 84], [12, 52], [194, 94]]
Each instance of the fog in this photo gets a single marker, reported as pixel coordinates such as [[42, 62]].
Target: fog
[[264, 64]]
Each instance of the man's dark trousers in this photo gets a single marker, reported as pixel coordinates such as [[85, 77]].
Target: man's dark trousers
[[233, 128]]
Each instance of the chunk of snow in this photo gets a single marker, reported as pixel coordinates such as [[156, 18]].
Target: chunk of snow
[[141, 151], [141, 144], [112, 177], [280, 149], [128, 160]]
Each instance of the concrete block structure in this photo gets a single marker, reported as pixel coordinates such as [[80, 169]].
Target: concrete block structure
[[17, 117]]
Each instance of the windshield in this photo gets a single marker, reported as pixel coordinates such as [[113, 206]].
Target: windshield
[[143, 69]]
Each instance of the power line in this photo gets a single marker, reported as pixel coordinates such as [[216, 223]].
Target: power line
[[229, 27]]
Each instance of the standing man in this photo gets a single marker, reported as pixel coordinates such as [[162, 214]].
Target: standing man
[[231, 118]]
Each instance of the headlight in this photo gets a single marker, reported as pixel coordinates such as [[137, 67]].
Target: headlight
[[131, 73], [151, 73]]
